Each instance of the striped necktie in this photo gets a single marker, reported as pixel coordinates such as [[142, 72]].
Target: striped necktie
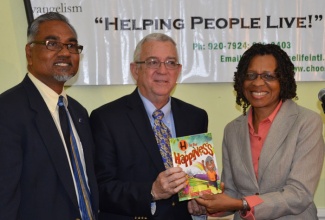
[[162, 134], [78, 170]]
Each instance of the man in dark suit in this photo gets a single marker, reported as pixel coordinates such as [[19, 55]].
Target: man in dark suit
[[36, 172], [133, 181]]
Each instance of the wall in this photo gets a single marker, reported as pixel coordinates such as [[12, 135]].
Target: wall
[[218, 99]]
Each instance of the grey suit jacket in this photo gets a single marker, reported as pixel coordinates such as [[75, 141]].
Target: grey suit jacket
[[289, 166]]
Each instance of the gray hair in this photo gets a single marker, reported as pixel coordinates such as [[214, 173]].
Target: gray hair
[[151, 37], [51, 16], [208, 159]]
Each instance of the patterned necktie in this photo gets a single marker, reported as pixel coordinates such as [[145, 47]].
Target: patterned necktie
[[78, 171], [162, 135]]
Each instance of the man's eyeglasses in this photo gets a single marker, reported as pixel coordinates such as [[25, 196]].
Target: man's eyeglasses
[[154, 63], [268, 77], [58, 46]]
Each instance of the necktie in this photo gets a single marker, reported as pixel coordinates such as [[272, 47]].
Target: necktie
[[78, 171], [162, 135]]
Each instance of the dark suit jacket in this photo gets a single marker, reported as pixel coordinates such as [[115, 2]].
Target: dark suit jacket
[[128, 159], [35, 178]]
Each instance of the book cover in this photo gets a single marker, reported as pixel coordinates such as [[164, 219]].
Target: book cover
[[196, 156]]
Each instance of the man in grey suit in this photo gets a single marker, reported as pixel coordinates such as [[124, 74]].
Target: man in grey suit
[[133, 181], [273, 155], [36, 171]]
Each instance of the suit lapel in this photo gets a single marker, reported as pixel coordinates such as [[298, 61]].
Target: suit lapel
[[139, 118], [244, 148], [180, 119], [51, 138], [279, 130]]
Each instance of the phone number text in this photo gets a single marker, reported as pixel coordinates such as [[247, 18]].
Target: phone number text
[[235, 45]]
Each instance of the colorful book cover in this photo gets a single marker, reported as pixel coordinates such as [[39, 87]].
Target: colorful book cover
[[196, 156]]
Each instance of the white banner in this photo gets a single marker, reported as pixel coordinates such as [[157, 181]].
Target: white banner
[[211, 35]]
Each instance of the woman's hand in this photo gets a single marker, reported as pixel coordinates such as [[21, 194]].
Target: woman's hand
[[219, 202]]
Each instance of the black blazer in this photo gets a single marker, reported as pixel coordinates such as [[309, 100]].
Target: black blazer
[[35, 178], [128, 159]]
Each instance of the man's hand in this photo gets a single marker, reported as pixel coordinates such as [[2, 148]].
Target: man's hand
[[168, 183], [195, 209]]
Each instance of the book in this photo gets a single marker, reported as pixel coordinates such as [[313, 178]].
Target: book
[[195, 154]]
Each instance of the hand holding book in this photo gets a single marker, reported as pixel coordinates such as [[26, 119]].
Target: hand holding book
[[196, 156]]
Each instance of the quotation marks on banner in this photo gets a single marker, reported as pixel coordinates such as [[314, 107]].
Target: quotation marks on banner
[[98, 20], [320, 17]]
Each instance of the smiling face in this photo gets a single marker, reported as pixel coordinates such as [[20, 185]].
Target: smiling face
[[210, 165], [156, 84], [262, 95], [53, 68]]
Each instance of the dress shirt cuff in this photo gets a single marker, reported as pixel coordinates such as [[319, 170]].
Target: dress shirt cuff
[[199, 217], [253, 200], [153, 207], [249, 215]]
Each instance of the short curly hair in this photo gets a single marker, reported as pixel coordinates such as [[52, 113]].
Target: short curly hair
[[284, 72]]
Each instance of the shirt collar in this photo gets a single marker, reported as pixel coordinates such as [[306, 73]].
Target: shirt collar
[[269, 118], [50, 97], [150, 108]]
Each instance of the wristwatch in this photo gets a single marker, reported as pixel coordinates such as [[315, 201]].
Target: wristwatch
[[245, 207]]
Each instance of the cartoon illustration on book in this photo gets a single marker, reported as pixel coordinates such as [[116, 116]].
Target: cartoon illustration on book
[[195, 155]]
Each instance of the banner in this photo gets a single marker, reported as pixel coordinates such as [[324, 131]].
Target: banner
[[211, 35]]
